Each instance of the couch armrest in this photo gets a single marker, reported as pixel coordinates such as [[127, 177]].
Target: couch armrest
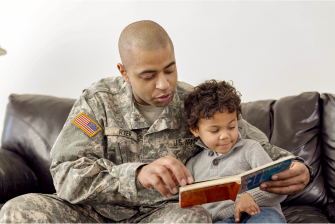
[[330, 212], [328, 142], [16, 178], [304, 214]]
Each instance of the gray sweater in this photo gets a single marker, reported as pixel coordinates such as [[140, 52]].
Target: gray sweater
[[245, 155]]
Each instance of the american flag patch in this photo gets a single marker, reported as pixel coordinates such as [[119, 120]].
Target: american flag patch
[[86, 124]]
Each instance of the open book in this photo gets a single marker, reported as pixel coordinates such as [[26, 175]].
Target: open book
[[226, 188]]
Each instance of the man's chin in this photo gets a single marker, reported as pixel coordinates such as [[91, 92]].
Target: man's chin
[[159, 104]]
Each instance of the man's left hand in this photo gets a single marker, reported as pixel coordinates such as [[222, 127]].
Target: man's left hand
[[289, 182]]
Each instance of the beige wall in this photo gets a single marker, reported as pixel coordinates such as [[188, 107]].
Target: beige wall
[[269, 49]]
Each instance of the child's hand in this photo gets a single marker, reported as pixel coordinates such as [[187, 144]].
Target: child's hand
[[245, 203]]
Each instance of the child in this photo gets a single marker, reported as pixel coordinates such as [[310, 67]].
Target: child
[[212, 112]]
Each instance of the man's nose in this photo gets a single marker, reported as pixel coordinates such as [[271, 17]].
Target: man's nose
[[162, 82]]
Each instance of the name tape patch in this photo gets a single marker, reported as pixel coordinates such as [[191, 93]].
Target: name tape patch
[[121, 132], [86, 124], [174, 143]]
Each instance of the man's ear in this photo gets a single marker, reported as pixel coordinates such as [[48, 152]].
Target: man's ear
[[123, 72], [195, 131]]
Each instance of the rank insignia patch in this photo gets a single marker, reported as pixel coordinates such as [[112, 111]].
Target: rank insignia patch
[[86, 124]]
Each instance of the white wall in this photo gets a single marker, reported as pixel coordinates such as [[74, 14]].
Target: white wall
[[269, 49]]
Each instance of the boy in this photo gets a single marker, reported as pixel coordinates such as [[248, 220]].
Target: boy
[[212, 112]]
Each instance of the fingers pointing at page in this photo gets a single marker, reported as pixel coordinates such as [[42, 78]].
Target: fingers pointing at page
[[164, 171]]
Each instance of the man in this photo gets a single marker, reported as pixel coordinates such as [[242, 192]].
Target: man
[[124, 145]]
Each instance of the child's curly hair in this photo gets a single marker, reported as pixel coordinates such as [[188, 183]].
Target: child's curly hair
[[210, 97]]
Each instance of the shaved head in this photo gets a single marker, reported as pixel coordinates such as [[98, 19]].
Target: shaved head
[[144, 35]]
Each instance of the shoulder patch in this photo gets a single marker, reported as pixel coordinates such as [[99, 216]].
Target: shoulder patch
[[86, 124]]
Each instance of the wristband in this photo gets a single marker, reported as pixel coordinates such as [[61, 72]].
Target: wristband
[[311, 174]]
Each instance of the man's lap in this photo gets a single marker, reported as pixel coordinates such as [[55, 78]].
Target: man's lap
[[44, 208]]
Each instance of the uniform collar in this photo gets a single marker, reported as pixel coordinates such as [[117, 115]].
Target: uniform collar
[[171, 117]]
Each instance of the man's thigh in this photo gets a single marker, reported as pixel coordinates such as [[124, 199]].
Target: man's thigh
[[172, 213], [43, 208]]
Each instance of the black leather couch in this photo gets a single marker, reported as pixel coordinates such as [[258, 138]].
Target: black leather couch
[[303, 125]]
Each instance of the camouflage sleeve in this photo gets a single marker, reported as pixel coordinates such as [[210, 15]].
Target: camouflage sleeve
[[82, 168]]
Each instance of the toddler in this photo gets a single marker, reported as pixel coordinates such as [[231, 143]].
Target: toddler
[[212, 112]]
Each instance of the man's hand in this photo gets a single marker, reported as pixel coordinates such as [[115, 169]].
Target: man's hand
[[245, 203], [290, 181], [164, 171]]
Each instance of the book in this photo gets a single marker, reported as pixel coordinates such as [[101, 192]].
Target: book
[[227, 188]]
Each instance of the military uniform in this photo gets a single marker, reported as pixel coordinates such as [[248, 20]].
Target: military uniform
[[96, 156]]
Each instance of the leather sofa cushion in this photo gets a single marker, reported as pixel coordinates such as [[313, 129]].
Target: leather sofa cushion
[[330, 212], [304, 214], [294, 124], [16, 177], [31, 126], [259, 113]]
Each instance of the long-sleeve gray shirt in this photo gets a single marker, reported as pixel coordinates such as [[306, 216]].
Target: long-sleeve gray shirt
[[245, 155]]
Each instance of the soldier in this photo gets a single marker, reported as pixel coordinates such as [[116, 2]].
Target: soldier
[[125, 139]]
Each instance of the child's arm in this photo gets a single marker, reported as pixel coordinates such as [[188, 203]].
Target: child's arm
[[245, 203], [266, 199]]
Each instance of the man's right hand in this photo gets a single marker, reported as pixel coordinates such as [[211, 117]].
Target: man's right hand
[[164, 171]]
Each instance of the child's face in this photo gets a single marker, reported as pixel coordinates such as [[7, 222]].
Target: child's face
[[218, 133]]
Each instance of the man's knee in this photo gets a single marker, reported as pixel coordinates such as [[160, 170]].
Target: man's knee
[[44, 208], [195, 214], [16, 209]]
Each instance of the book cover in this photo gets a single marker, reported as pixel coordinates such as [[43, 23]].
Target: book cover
[[251, 180], [227, 188], [219, 192]]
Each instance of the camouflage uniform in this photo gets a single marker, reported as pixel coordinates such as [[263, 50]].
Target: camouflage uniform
[[94, 172]]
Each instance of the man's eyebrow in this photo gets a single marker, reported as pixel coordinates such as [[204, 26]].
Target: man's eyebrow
[[172, 63], [147, 71], [152, 71]]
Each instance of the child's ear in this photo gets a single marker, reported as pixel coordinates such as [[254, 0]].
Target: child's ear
[[195, 131]]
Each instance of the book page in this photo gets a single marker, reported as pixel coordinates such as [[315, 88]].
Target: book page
[[207, 183]]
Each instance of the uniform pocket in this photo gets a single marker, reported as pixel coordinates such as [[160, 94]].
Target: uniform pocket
[[121, 149], [122, 145], [128, 150]]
